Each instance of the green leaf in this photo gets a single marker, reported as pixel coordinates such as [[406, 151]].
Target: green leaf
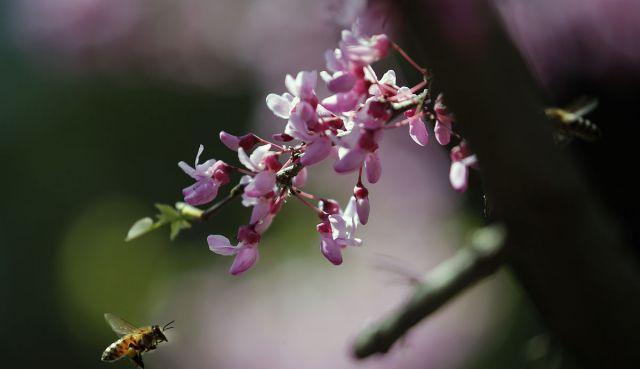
[[140, 228], [167, 214], [177, 226]]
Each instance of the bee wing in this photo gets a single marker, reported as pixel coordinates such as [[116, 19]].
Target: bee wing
[[583, 106], [401, 269], [119, 325]]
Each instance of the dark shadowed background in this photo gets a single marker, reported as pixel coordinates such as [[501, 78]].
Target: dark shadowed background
[[101, 99]]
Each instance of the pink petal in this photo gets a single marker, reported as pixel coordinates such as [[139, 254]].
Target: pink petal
[[302, 86], [333, 63], [458, 176], [343, 82], [373, 167], [301, 179], [331, 250], [317, 151], [229, 140], [351, 161], [260, 210], [362, 208], [307, 83], [338, 226], [340, 102], [264, 224], [418, 131], [245, 259], [201, 192], [443, 133], [221, 245], [261, 185], [301, 113]]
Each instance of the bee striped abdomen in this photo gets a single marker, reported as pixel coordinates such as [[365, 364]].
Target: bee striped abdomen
[[585, 129], [117, 350]]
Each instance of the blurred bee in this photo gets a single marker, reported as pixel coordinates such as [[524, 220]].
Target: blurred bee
[[572, 123], [133, 341]]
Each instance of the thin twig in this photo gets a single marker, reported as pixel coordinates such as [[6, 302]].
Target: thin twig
[[215, 208], [484, 255]]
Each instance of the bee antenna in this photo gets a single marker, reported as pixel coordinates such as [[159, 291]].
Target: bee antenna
[[167, 326]]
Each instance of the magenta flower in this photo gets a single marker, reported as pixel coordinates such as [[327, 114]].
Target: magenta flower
[[246, 251], [444, 120], [417, 128], [281, 105], [363, 50], [301, 179], [341, 102], [461, 160], [264, 181], [385, 85], [301, 88], [316, 151], [338, 231], [234, 142], [328, 246], [348, 79], [348, 125], [209, 176], [363, 152], [263, 211], [361, 194]]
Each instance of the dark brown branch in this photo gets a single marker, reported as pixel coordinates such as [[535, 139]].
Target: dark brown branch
[[567, 251], [483, 256]]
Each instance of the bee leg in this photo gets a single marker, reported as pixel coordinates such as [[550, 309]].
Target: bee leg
[[138, 360]]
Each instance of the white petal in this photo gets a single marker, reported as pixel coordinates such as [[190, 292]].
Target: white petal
[[291, 84], [350, 211], [187, 169], [200, 150], [244, 160], [279, 105], [458, 176], [258, 155], [389, 78]]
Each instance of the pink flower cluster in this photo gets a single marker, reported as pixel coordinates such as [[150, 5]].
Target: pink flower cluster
[[345, 127]]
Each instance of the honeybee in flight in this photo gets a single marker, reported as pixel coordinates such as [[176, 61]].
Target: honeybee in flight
[[133, 341], [572, 123]]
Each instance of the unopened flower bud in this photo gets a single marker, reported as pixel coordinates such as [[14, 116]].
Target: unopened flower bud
[[362, 203]]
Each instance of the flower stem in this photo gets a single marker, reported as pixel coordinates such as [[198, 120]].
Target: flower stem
[[297, 195], [215, 208], [420, 69]]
